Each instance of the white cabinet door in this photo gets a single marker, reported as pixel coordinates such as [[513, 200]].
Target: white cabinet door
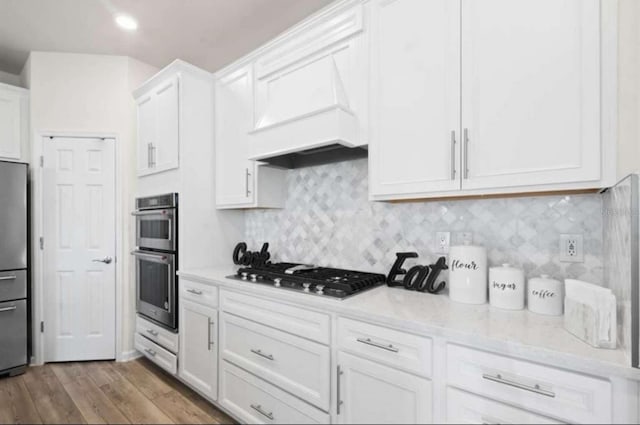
[[146, 133], [530, 92], [199, 347], [235, 174], [165, 150], [415, 97], [11, 123], [371, 393]]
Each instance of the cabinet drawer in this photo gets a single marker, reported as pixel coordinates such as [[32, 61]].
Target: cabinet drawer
[[13, 285], [163, 358], [298, 321], [167, 339], [254, 401], [199, 292], [466, 408], [294, 364], [569, 396], [395, 348]]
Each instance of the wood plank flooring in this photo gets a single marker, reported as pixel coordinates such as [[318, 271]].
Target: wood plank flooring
[[102, 393]]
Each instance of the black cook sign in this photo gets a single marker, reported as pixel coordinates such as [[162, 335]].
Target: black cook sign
[[247, 258], [418, 278]]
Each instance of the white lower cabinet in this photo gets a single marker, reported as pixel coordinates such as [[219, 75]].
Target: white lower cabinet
[[369, 392], [467, 408], [157, 354], [198, 347], [254, 401]]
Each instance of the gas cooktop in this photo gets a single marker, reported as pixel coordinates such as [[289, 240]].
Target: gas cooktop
[[320, 281]]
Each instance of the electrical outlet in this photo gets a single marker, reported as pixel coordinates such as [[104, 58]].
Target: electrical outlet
[[571, 248], [443, 241]]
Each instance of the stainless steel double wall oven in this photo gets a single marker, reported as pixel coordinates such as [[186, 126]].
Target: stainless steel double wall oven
[[156, 258]]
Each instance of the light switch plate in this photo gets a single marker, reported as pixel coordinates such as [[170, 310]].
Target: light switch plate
[[571, 248]]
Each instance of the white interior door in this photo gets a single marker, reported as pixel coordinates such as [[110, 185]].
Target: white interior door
[[79, 234]]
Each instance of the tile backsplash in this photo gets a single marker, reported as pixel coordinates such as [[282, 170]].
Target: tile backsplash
[[329, 220]]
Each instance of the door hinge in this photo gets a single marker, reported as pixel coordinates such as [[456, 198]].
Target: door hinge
[[41, 242], [42, 327], [41, 161]]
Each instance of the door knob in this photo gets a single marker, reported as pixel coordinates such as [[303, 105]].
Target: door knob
[[106, 260]]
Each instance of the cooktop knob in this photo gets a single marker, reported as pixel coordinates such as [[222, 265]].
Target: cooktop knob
[[254, 277], [306, 286], [244, 275], [276, 281], [319, 289]]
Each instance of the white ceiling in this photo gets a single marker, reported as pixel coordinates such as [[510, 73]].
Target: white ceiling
[[207, 33]]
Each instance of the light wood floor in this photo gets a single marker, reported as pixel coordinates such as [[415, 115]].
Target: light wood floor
[[102, 392]]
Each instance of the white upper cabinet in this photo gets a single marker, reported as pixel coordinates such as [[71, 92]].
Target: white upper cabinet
[[240, 182], [158, 127], [415, 96], [531, 92], [476, 97], [234, 118], [166, 153], [13, 121], [310, 88]]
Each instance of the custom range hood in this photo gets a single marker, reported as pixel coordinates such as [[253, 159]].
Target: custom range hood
[[310, 96]]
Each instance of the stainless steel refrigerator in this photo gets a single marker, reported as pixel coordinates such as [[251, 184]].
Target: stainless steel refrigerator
[[14, 274]]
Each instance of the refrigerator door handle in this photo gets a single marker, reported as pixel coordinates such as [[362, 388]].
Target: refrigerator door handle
[[8, 277]]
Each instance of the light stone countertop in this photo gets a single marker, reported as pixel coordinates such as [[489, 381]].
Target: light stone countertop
[[521, 334]]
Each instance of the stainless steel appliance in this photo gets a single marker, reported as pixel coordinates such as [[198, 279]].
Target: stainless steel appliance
[[156, 219], [156, 258], [307, 279], [13, 268]]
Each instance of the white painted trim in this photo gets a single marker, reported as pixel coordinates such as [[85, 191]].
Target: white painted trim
[[127, 356], [37, 229]]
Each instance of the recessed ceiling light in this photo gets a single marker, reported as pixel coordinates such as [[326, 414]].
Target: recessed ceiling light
[[126, 22]]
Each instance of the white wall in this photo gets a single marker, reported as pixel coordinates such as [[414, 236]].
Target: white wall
[[12, 79], [628, 87], [89, 94]]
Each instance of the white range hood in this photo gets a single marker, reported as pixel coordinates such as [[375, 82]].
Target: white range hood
[[310, 92]]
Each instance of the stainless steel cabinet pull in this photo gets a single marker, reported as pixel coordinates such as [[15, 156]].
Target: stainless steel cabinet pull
[[152, 332], [453, 155], [246, 181], [368, 341], [534, 389], [8, 277], [194, 291], [2, 310], [258, 408], [209, 340], [261, 354], [149, 147], [466, 153], [150, 352], [153, 156], [338, 390]]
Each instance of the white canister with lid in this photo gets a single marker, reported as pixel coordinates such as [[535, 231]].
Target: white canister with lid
[[468, 274], [545, 296], [506, 287]]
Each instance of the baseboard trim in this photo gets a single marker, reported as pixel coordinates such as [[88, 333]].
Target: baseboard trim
[[127, 356]]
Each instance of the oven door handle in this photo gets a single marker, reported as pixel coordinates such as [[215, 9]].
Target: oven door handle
[[168, 212], [158, 258]]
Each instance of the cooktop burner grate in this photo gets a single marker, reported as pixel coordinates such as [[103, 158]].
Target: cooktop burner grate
[[326, 281]]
